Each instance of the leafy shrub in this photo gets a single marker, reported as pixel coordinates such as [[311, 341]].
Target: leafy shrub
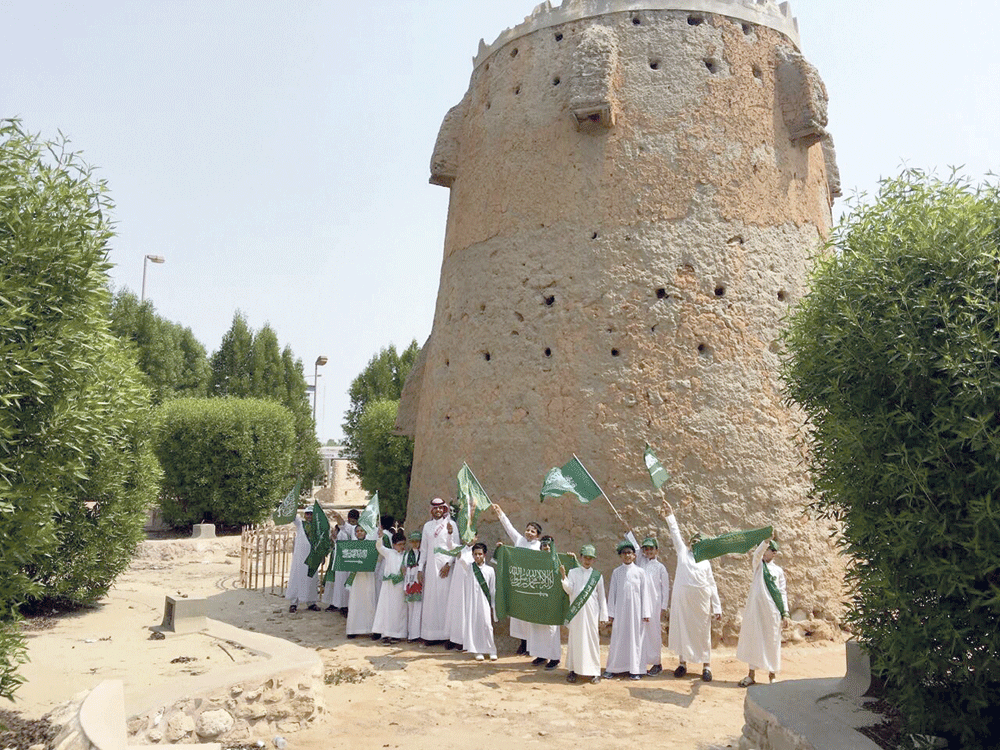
[[225, 460], [895, 357], [386, 456], [72, 441]]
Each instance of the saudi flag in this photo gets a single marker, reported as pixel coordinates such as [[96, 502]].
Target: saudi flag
[[737, 542], [657, 473], [572, 478], [472, 500], [287, 508], [529, 586], [370, 518], [318, 533]]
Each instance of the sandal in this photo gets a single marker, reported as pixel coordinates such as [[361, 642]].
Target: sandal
[[747, 681]]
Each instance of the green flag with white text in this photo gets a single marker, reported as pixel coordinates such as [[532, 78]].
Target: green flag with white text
[[287, 508], [529, 586], [370, 517], [472, 500], [318, 533], [657, 473], [571, 478]]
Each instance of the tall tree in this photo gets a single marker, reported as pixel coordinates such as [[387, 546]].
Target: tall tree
[[232, 364], [75, 468], [383, 378], [894, 355], [267, 374]]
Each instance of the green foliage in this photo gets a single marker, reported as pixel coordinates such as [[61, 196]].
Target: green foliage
[[73, 414], [232, 364], [225, 460], [386, 458], [895, 357], [171, 358], [382, 380]]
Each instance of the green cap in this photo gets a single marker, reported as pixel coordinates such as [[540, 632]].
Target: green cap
[[588, 550], [622, 546], [773, 545], [650, 542]]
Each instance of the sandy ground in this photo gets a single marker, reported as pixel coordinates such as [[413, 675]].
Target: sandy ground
[[408, 695]]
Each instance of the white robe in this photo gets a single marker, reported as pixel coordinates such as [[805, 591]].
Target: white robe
[[518, 628], [583, 646], [694, 601], [760, 634], [390, 611], [302, 589], [433, 623], [544, 641], [477, 636], [455, 610], [629, 603], [336, 593], [413, 609], [659, 583], [386, 538], [361, 604]]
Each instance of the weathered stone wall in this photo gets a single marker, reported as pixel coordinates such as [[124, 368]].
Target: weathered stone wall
[[635, 197]]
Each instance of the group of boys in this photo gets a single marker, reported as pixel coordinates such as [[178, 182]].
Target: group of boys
[[433, 587]]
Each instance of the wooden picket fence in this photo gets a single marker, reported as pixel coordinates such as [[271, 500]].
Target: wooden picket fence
[[265, 556]]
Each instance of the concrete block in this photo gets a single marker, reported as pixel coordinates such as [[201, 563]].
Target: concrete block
[[859, 671], [203, 531], [183, 615]]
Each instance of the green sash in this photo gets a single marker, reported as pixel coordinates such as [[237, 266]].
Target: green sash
[[398, 578], [450, 552], [481, 580], [584, 595], [772, 589]]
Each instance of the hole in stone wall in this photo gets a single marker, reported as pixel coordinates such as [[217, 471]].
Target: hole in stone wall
[[555, 81], [550, 299], [593, 236], [720, 291], [519, 317], [487, 67], [757, 72], [447, 363], [735, 240], [482, 308], [548, 352], [513, 52], [517, 89], [711, 65], [704, 350], [747, 29], [653, 329], [781, 295], [514, 333], [486, 356], [594, 117], [559, 37], [614, 352], [695, 20], [636, 21], [488, 105], [447, 417], [654, 64], [661, 293]]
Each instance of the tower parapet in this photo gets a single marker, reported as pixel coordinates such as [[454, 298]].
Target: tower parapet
[[777, 16]]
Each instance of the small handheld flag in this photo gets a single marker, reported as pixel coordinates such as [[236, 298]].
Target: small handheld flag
[[571, 478], [472, 500], [657, 473], [733, 542], [318, 532], [370, 517], [287, 508]]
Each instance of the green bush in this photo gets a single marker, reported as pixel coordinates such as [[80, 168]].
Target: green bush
[[225, 460], [73, 447], [895, 357], [386, 456]]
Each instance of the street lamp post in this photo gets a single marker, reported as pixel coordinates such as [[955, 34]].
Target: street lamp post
[[320, 361], [145, 263]]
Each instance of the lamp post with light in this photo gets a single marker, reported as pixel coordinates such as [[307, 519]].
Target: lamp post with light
[[320, 361], [145, 263]]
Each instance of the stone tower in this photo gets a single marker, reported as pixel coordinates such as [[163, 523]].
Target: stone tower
[[636, 191]]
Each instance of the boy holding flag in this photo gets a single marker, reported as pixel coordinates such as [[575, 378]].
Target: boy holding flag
[[588, 607]]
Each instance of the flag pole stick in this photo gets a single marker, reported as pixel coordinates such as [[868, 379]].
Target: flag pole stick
[[601, 489]]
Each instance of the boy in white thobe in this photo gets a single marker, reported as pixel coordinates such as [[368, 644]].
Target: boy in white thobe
[[544, 640], [659, 582], [530, 540], [767, 607], [338, 592], [413, 591], [390, 611], [302, 588], [480, 602], [694, 602], [455, 610], [438, 533], [583, 647], [629, 606], [361, 600]]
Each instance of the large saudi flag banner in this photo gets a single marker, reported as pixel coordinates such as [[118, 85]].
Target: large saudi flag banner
[[356, 556], [529, 587]]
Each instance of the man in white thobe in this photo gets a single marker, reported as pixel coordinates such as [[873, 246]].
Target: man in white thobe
[[629, 606], [583, 646], [659, 582], [480, 604], [694, 603], [531, 539], [302, 588], [438, 533], [767, 607]]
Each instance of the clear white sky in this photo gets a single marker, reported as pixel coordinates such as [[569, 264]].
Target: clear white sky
[[276, 153]]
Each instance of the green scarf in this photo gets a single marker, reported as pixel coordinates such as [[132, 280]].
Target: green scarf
[[450, 552], [772, 589], [584, 595], [727, 544]]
